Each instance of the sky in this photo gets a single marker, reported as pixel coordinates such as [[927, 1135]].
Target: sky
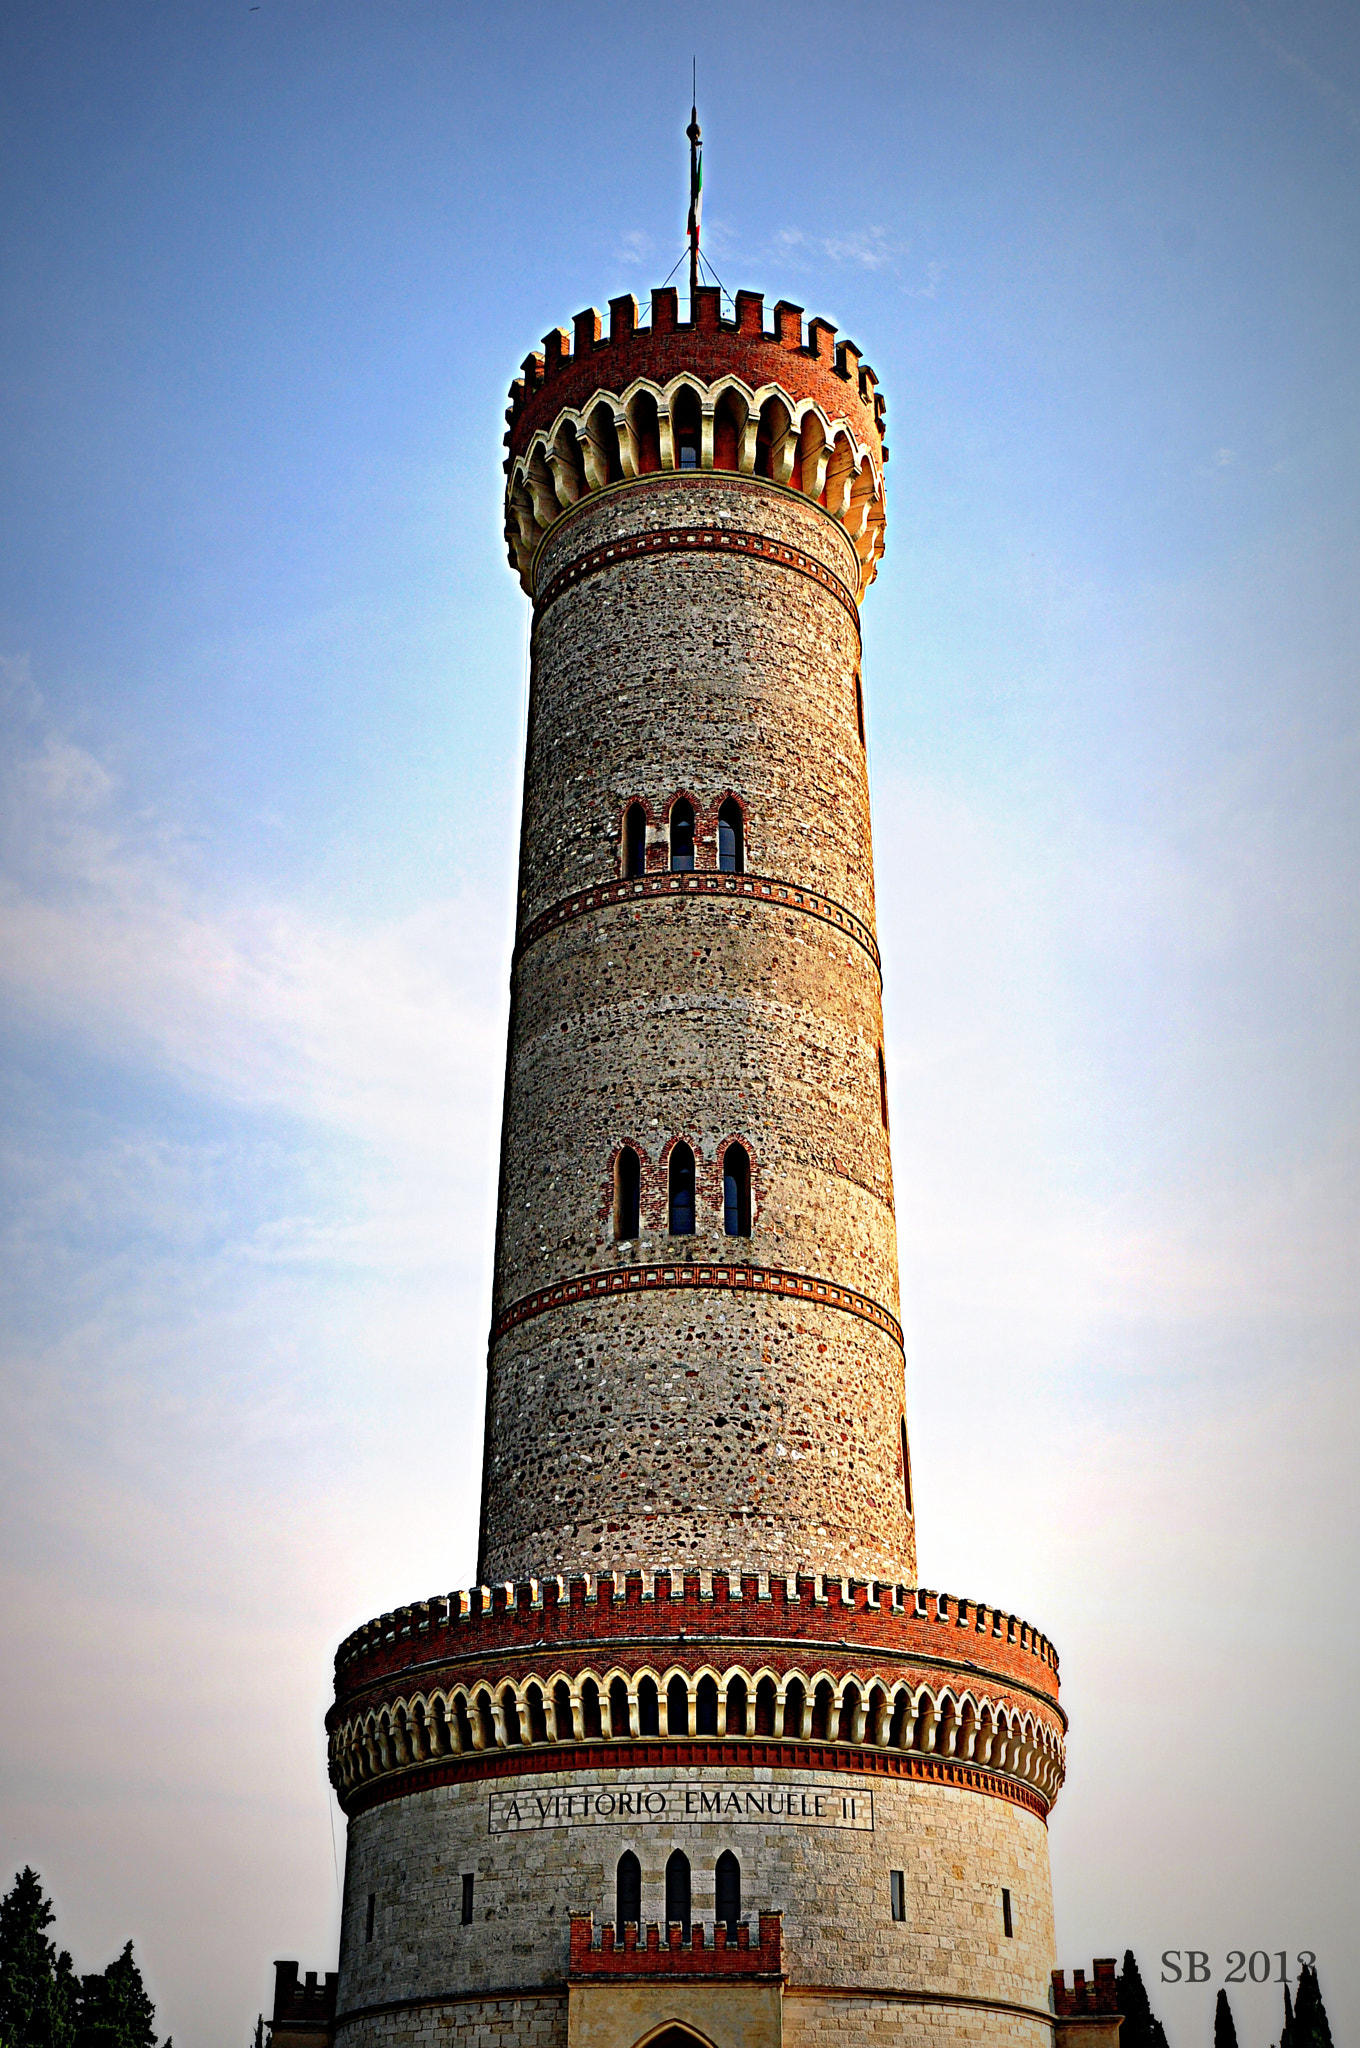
[[265, 275]]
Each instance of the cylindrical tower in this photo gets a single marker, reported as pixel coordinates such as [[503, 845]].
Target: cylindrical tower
[[698, 1696]]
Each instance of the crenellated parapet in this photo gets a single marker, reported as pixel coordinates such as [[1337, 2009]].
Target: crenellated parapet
[[705, 395]]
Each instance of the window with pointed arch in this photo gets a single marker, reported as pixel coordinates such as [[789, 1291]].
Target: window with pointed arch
[[731, 839], [686, 427], [628, 1891], [727, 1894], [678, 1891], [681, 1191], [737, 1191], [682, 836], [634, 842], [627, 1195]]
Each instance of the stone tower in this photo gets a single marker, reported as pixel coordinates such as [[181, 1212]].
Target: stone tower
[[697, 1762]]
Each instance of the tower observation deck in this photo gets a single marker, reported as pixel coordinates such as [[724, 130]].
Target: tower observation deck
[[697, 1762]]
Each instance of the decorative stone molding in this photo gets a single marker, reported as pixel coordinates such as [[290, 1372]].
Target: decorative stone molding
[[668, 887], [693, 397], [637, 1282]]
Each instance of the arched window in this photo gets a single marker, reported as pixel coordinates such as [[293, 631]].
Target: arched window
[[859, 709], [731, 838], [618, 1708], [649, 1708], [627, 1194], [628, 1891], [766, 1696], [677, 1707], [677, 1890], [794, 1701], [682, 1191], [735, 1719], [562, 1711], [737, 1191], [883, 1087], [590, 1710], [634, 841], [821, 1712], [682, 836], [727, 1893], [706, 1707], [685, 423], [726, 433], [906, 1464]]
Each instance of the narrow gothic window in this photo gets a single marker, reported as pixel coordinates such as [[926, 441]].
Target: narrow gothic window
[[677, 1707], [467, 1898], [627, 1194], [635, 841], [685, 426], [735, 1717], [859, 710], [897, 1892], [682, 1192], [628, 1891], [649, 1708], [883, 1087], [682, 835], [1006, 1921], [706, 1707], [731, 839], [677, 1890], [727, 1893], [737, 1191]]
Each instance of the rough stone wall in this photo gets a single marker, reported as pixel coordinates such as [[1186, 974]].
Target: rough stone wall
[[956, 1850], [696, 1428]]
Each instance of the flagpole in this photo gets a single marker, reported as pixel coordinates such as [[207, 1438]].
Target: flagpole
[[695, 187]]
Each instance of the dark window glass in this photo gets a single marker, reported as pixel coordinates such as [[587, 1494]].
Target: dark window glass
[[682, 836], [590, 1710], [736, 1191], [706, 1707], [368, 1917], [677, 1890], [731, 847], [628, 1891], [649, 1708], [682, 1192], [897, 1889], [1006, 1921], [635, 841], [677, 1707], [627, 1194], [467, 1898], [727, 1892]]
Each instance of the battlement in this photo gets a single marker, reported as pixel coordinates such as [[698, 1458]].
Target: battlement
[[611, 1957], [565, 351], [304, 2013], [681, 398], [1100, 1995], [811, 1605]]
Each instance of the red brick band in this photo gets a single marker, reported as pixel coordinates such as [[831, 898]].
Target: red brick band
[[696, 540], [673, 888], [641, 1754], [624, 1281]]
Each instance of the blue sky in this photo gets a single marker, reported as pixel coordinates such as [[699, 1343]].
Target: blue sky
[[266, 276]]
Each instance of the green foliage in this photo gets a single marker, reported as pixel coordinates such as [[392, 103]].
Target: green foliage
[[1140, 2029], [1225, 2031], [115, 2011], [42, 2002], [1310, 2028], [37, 1986]]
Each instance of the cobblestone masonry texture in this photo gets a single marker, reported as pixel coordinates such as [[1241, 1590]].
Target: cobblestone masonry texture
[[668, 1433]]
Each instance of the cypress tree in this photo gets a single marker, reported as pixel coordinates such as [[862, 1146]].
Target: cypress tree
[[37, 1986], [1225, 2033], [115, 2011], [1310, 2028], [1141, 2029]]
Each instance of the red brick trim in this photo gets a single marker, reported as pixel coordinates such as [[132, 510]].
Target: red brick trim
[[644, 1753], [677, 888], [628, 1959], [626, 1281], [697, 541]]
